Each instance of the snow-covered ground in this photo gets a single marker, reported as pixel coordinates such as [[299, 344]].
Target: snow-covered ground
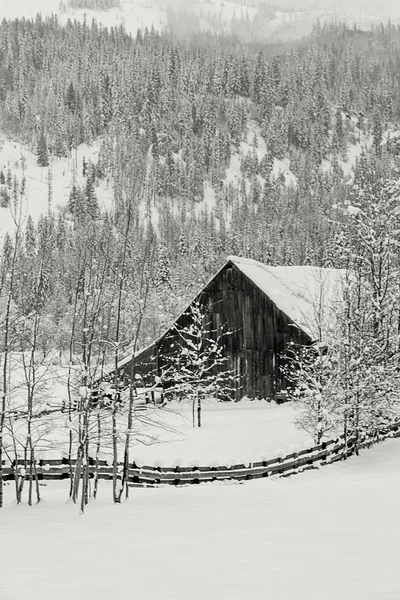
[[332, 534], [229, 433]]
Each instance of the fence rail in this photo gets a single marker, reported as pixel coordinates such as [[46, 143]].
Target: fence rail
[[294, 462]]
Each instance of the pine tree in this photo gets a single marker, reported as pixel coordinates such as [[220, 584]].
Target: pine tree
[[30, 238], [71, 98], [7, 251], [4, 198], [92, 206], [75, 202], [42, 152], [163, 272]]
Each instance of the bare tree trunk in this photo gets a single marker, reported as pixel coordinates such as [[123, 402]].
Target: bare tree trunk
[[77, 475], [33, 476], [70, 402], [345, 431], [357, 428], [19, 481], [125, 472], [98, 446], [85, 479], [117, 494], [87, 463], [30, 476], [6, 351], [144, 290], [115, 453], [85, 459], [198, 410], [36, 481], [83, 491]]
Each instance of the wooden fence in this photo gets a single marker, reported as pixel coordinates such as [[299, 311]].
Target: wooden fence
[[295, 462]]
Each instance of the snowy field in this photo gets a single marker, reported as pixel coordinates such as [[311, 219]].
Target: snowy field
[[332, 534], [230, 433]]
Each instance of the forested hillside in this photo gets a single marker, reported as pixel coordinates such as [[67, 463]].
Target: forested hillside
[[212, 147]]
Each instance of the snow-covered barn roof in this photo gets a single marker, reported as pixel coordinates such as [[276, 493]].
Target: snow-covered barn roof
[[308, 295]]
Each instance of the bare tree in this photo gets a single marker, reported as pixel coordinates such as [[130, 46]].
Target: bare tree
[[9, 266]]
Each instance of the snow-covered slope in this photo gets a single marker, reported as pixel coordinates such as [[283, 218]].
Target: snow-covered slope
[[21, 162], [332, 534]]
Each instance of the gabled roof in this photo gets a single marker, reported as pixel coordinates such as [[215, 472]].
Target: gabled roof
[[308, 295]]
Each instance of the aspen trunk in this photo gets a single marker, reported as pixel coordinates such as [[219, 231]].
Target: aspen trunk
[[125, 472], [6, 329], [115, 454], [85, 478], [36, 483], [98, 446], [77, 475], [345, 433], [198, 411], [19, 481]]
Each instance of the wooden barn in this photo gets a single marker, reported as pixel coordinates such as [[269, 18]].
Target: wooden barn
[[264, 308]]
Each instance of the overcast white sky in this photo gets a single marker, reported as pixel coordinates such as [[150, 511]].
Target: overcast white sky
[[382, 8]]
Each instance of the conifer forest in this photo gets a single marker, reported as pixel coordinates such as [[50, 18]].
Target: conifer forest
[[171, 115]]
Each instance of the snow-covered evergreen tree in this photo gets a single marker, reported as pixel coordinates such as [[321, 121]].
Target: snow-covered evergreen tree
[[42, 151]]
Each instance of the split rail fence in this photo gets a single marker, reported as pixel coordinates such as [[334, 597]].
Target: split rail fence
[[310, 458]]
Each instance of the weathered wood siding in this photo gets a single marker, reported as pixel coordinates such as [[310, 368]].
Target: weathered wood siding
[[260, 333]]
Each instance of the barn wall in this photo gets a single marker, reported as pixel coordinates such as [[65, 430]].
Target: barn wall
[[260, 332], [144, 365]]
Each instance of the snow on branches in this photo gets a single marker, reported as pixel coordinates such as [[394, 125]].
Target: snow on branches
[[196, 366]]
